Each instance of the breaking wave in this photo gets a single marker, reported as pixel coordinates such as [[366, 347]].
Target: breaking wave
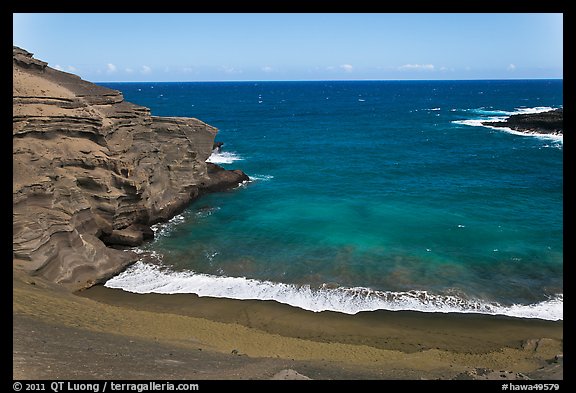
[[150, 278]]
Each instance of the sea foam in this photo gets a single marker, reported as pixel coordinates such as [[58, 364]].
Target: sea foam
[[223, 158], [150, 278], [261, 177], [499, 115]]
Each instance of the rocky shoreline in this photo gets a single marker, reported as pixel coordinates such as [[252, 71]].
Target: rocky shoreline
[[551, 122], [92, 172]]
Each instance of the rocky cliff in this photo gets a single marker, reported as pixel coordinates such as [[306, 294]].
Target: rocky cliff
[[91, 171], [551, 122]]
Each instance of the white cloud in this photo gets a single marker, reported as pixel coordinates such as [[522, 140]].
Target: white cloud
[[145, 69], [230, 70], [417, 67], [129, 70], [68, 68], [110, 68], [267, 69], [347, 67], [188, 69], [511, 67], [445, 69]]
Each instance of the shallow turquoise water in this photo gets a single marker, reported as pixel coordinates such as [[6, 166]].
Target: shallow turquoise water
[[383, 188]]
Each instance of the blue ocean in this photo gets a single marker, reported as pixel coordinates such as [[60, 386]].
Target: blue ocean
[[367, 195]]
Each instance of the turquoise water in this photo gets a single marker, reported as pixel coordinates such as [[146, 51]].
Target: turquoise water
[[367, 195]]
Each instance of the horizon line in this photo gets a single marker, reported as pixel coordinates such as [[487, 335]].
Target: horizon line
[[333, 80]]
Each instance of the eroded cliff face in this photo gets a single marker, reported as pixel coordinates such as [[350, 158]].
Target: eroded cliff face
[[91, 170]]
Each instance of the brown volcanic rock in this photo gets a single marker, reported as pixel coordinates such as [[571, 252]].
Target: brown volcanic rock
[[87, 166], [221, 179]]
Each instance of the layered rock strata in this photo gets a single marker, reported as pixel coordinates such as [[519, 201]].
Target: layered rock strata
[[91, 170]]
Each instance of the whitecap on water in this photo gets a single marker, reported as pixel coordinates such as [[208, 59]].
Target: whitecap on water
[[164, 228], [206, 212], [503, 115], [261, 177], [148, 278], [223, 157]]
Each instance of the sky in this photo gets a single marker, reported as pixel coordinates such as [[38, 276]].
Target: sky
[[282, 46]]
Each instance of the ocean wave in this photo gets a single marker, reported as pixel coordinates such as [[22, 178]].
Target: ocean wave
[[489, 112], [163, 228], [223, 157], [557, 138], [537, 109], [498, 116], [149, 278], [498, 112], [261, 177], [478, 122], [206, 212]]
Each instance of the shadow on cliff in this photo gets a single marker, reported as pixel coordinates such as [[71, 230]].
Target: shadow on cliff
[[92, 172]]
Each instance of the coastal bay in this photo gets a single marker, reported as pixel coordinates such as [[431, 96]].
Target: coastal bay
[[96, 176]]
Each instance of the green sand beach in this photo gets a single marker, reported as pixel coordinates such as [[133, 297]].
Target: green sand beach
[[178, 336]]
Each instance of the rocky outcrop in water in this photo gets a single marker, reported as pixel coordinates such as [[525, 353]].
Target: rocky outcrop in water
[[91, 170], [551, 122]]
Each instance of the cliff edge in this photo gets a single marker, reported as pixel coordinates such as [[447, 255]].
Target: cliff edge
[[91, 171]]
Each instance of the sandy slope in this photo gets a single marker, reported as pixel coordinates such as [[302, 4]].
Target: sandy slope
[[142, 336]]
